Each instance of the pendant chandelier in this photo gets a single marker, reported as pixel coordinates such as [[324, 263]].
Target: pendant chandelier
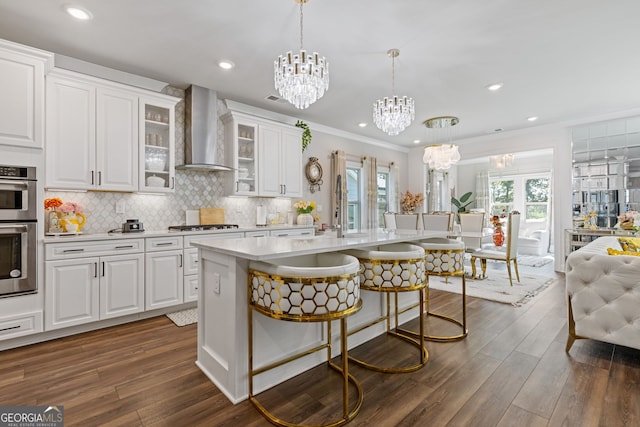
[[393, 115], [443, 155], [301, 78], [502, 161]]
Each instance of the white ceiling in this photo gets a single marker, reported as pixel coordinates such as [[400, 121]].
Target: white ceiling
[[561, 60]]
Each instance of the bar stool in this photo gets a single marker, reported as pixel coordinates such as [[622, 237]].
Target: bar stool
[[393, 268], [310, 288], [445, 257]]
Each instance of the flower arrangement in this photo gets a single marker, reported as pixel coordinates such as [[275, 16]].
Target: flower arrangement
[[52, 203], [304, 206], [629, 221], [410, 201], [495, 221], [71, 207]]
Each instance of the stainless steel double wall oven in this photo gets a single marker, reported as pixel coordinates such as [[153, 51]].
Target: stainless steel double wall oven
[[18, 228]]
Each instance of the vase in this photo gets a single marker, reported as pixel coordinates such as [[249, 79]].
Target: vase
[[53, 223], [305, 219], [498, 237], [71, 222]]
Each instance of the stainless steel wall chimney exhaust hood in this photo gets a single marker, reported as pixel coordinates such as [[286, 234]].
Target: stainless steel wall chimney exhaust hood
[[201, 130]]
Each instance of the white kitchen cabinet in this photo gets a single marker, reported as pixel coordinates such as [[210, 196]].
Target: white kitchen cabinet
[[164, 266], [241, 132], [191, 261], [266, 156], [157, 145], [90, 281], [279, 161], [22, 87], [293, 232], [92, 134]]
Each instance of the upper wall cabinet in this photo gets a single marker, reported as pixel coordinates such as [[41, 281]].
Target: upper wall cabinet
[[22, 87], [157, 145], [94, 135], [266, 156]]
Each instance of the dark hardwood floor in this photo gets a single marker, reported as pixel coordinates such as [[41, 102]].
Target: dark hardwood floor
[[511, 370]]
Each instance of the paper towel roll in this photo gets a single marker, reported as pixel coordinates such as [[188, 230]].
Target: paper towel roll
[[261, 215]]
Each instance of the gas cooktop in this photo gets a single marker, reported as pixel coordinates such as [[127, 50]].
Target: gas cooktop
[[202, 227]]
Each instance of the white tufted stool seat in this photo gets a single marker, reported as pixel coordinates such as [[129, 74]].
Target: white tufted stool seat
[[391, 269], [445, 257], [310, 288]]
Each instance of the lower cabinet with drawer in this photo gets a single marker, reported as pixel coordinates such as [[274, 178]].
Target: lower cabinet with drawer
[[164, 265], [191, 261], [92, 281]]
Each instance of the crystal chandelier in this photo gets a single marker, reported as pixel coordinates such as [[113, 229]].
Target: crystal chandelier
[[393, 115], [502, 161], [301, 78], [443, 155]]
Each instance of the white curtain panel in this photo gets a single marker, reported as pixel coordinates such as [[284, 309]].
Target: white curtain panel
[[371, 168], [483, 197], [394, 198], [338, 167]]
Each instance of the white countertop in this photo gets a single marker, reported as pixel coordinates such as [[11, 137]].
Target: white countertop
[[265, 248], [160, 233]]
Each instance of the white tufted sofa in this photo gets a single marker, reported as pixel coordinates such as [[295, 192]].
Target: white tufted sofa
[[603, 294]]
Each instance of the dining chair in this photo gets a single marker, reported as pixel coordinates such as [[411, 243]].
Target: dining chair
[[406, 221], [438, 221], [389, 220], [472, 223], [511, 254]]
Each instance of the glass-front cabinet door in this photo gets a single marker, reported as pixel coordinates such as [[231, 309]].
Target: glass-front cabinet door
[[157, 146], [240, 151]]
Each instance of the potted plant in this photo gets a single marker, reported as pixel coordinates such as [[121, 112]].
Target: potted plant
[[462, 203]]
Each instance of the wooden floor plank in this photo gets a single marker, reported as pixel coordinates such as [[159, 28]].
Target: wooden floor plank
[[511, 370]]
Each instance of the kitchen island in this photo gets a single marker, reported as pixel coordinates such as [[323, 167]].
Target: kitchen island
[[223, 305]]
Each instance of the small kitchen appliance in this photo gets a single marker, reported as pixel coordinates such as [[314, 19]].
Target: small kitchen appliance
[[132, 226]]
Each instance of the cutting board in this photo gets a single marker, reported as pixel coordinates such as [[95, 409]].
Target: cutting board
[[211, 216]]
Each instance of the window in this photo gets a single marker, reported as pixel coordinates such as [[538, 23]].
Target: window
[[354, 196], [527, 194], [537, 199], [384, 194], [502, 196]]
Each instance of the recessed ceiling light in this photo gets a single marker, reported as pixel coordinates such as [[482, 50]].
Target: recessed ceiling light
[[494, 86], [225, 64], [362, 124], [532, 118], [78, 12], [416, 141]]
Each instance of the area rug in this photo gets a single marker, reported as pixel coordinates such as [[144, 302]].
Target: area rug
[[534, 261], [184, 317], [496, 287]]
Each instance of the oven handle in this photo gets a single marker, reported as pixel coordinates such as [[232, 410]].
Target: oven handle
[[14, 183], [24, 227]]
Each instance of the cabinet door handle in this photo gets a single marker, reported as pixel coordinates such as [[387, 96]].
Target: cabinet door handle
[[99, 177], [66, 251], [284, 186], [124, 247], [173, 183], [180, 261], [93, 181], [102, 269], [237, 185], [95, 269], [164, 244]]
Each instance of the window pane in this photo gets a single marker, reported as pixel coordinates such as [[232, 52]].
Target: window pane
[[501, 209], [353, 184], [536, 211], [383, 195], [502, 191], [537, 190], [353, 217]]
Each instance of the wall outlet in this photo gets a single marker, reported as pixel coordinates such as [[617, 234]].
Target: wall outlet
[[120, 207], [215, 285]]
